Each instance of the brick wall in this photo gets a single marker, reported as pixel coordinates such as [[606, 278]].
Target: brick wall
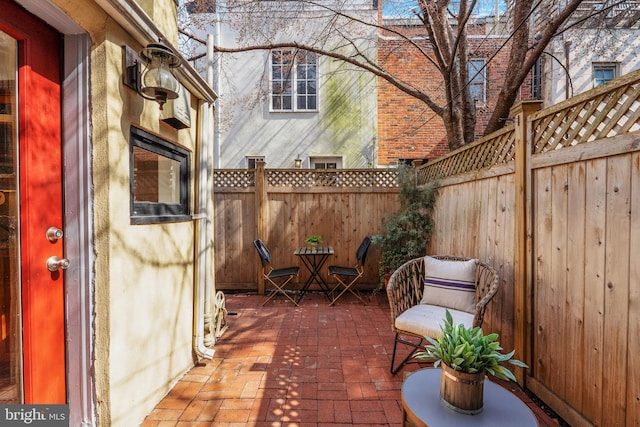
[[407, 128]]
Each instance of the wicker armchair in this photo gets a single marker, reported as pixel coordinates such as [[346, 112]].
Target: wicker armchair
[[405, 291]]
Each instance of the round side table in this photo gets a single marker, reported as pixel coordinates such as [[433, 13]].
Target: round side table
[[421, 405]]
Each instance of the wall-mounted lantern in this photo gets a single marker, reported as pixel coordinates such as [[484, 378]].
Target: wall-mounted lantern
[[157, 82], [297, 162]]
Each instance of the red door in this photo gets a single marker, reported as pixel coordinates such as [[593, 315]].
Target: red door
[[31, 187]]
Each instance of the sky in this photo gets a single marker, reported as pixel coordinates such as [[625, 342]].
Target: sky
[[403, 7]]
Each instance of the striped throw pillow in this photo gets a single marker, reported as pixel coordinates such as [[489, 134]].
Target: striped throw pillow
[[450, 284]]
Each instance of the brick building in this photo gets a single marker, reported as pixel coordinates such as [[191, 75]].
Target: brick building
[[407, 128]]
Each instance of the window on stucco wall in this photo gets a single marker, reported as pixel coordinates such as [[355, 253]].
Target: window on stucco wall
[[159, 179], [325, 162], [251, 161], [604, 72], [294, 80]]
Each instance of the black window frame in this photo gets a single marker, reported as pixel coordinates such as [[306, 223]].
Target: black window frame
[[158, 212]]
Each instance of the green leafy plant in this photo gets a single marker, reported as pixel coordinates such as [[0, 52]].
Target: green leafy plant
[[469, 350], [313, 239], [407, 232]]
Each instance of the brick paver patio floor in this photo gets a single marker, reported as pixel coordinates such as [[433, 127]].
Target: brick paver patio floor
[[311, 365]]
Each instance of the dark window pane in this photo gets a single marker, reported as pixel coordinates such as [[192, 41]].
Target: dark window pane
[[302, 103], [311, 103], [286, 103]]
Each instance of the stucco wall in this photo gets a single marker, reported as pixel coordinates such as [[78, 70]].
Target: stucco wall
[[163, 13], [345, 123], [144, 274]]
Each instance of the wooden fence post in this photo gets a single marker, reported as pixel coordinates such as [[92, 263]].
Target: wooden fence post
[[261, 214], [523, 246]]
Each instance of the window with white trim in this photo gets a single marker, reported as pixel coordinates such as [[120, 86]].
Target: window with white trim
[[294, 80], [604, 72], [325, 162], [252, 160], [478, 80]]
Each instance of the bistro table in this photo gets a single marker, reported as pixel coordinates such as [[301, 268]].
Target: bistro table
[[421, 405], [313, 258]]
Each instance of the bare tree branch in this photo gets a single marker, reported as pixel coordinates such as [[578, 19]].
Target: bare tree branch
[[367, 66], [446, 48], [520, 62]]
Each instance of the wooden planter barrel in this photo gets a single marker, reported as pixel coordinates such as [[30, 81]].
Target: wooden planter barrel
[[460, 391]]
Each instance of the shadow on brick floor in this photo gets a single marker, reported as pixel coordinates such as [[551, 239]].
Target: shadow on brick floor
[[311, 365]]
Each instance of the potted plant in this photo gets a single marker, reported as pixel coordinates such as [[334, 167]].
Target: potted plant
[[407, 232], [314, 239], [466, 355]]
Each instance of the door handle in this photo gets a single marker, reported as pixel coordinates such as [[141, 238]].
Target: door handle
[[54, 234], [54, 263]]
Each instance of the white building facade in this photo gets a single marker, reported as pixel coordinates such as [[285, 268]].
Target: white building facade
[[592, 53], [285, 105]]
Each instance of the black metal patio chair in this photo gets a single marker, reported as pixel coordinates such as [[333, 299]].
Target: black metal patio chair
[[276, 277], [348, 276]]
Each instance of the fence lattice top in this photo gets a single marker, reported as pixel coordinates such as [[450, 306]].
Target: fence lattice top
[[497, 148], [344, 178], [339, 178], [237, 178], [609, 110], [606, 111]]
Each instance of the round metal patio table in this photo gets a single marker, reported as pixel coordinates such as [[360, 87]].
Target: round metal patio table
[[421, 405]]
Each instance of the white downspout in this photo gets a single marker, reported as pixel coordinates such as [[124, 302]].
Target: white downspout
[[200, 297], [212, 129], [204, 242], [214, 81]]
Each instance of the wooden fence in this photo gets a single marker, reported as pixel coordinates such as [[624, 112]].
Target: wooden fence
[[284, 206], [553, 202]]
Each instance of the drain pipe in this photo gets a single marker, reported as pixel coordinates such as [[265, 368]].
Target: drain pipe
[[213, 79], [212, 126], [200, 298], [203, 325]]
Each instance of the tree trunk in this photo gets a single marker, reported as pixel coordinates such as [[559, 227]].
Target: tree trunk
[[519, 48], [454, 125]]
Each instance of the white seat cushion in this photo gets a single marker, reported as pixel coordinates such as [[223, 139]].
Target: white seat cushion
[[425, 320]]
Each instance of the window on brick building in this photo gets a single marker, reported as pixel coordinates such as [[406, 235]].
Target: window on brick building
[[604, 72], [294, 80], [478, 80]]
